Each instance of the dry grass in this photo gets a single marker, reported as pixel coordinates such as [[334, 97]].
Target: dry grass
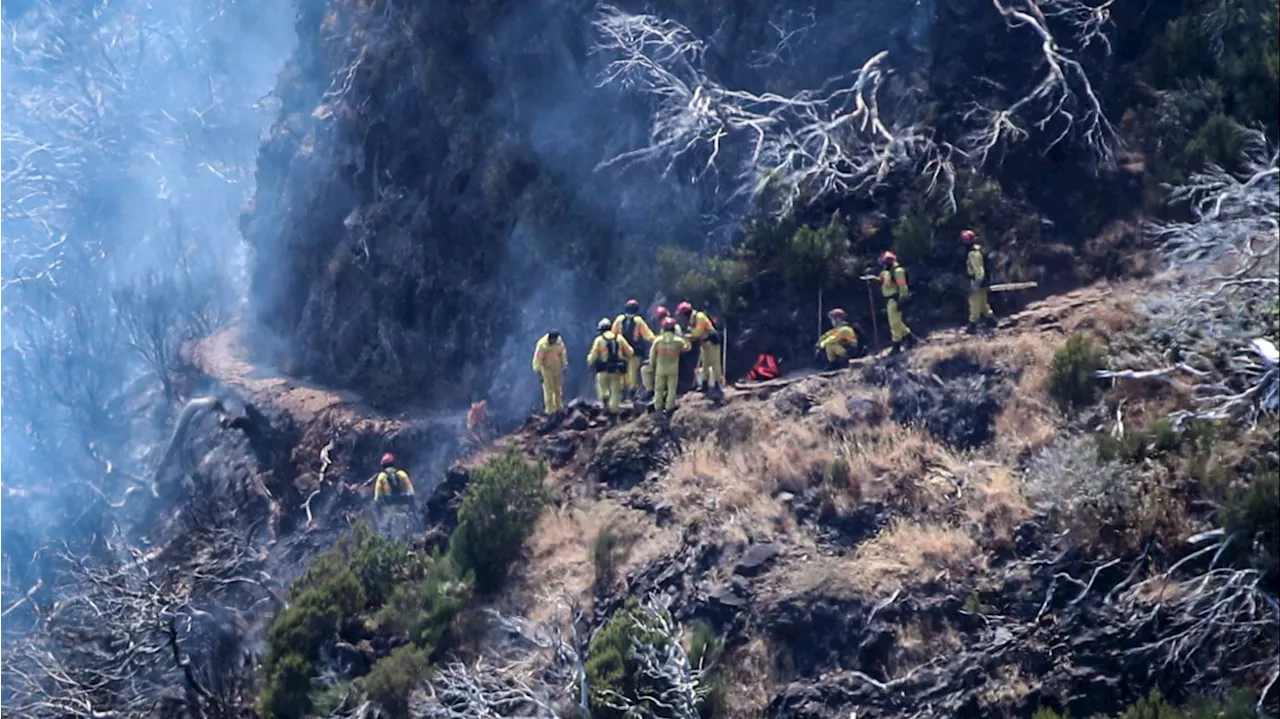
[[920, 640], [907, 552], [994, 503], [560, 550], [904, 553], [1012, 686], [905, 468]]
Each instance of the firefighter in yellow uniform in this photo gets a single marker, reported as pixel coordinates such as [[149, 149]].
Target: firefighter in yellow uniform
[[665, 357], [391, 482], [893, 285], [975, 266], [703, 335], [631, 326], [608, 357], [550, 359], [838, 341], [646, 369]]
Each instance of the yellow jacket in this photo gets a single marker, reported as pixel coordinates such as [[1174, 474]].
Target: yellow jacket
[[975, 264], [840, 334], [700, 326], [599, 354], [893, 282], [666, 352], [549, 357], [639, 328], [382, 485]]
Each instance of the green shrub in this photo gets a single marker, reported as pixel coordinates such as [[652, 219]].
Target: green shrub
[[1045, 713], [498, 512], [333, 698], [1237, 705], [973, 603], [602, 557], [1251, 515], [424, 610], [704, 652], [1071, 380], [812, 256], [394, 677], [287, 687], [1221, 141], [611, 665], [673, 263], [913, 238]]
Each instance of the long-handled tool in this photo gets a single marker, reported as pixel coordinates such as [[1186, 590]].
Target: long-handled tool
[[871, 302], [1011, 286]]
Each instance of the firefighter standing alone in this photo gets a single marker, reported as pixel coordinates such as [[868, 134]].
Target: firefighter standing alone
[[893, 285], [976, 268]]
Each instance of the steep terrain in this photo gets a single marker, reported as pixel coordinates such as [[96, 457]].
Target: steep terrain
[[874, 540]]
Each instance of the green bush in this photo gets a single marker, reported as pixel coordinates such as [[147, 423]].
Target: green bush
[[394, 677], [1221, 141], [1071, 380], [704, 652], [326, 602], [333, 698], [913, 238], [1237, 705], [602, 557], [611, 665], [498, 512], [812, 256], [1251, 516], [424, 610]]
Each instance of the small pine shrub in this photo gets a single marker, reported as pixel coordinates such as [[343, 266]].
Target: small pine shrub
[[602, 556], [286, 687], [913, 238], [812, 255], [1046, 713], [1251, 515], [424, 610], [1221, 141], [394, 677], [704, 652], [1071, 380], [498, 512], [611, 665]]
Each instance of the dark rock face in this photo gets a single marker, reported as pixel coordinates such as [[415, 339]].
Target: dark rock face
[[427, 202], [755, 558], [627, 453]]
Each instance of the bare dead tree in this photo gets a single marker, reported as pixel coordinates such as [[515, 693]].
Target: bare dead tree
[[806, 146], [1063, 102], [1221, 619], [677, 688], [1208, 323], [122, 633]]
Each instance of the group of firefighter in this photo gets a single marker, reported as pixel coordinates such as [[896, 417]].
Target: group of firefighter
[[631, 361]]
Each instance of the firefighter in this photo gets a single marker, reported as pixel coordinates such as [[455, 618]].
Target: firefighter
[[838, 341], [976, 267], [608, 357], [660, 313], [665, 357], [702, 334], [893, 285], [391, 481], [631, 326], [550, 359]]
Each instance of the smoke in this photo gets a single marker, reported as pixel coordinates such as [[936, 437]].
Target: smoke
[[130, 134]]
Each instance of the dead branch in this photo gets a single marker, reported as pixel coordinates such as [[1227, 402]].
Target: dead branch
[[675, 689], [1063, 102], [813, 144]]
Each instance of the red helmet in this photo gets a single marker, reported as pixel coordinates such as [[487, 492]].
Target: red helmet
[[836, 314], [888, 258], [388, 458], [968, 237], [684, 308], [662, 312], [668, 323], [633, 306]]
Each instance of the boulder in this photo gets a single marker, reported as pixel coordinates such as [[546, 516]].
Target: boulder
[[756, 558]]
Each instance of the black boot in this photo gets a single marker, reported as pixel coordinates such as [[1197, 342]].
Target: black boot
[[972, 329], [991, 322], [897, 348]]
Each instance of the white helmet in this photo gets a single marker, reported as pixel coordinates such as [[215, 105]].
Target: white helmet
[[604, 324]]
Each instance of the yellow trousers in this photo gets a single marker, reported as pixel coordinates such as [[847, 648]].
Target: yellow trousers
[[664, 392], [835, 351], [633, 372], [712, 367], [979, 308], [609, 390], [898, 329], [552, 390], [646, 375]]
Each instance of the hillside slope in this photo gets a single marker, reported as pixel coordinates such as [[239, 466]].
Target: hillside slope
[[929, 535]]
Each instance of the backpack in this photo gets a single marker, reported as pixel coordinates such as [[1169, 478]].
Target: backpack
[[612, 361], [628, 326], [766, 367]]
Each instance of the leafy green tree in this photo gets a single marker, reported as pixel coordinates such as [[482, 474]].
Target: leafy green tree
[[498, 512]]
